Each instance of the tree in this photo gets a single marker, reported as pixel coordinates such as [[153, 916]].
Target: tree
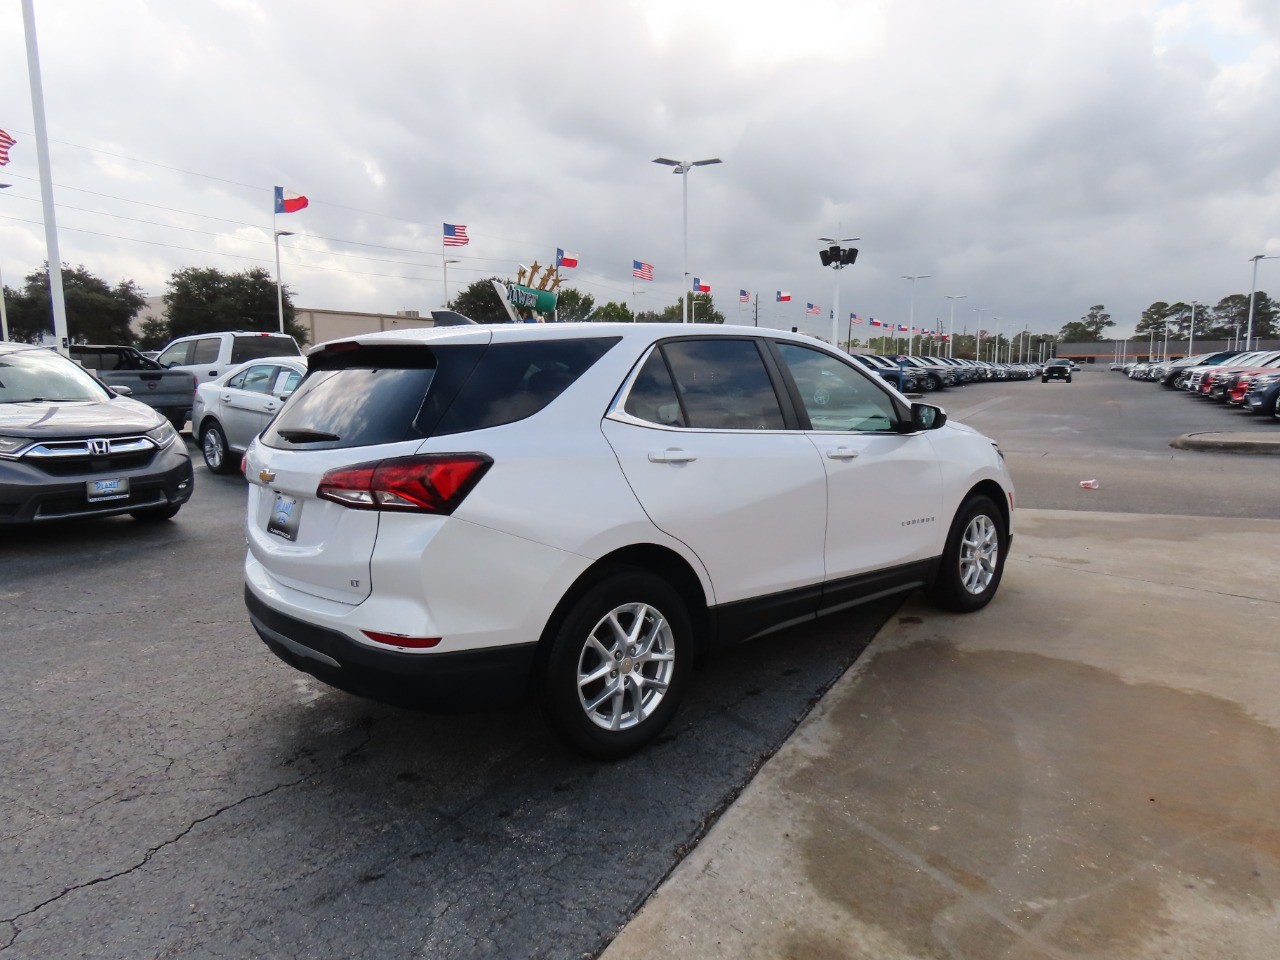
[[1153, 319], [574, 306], [206, 300], [1089, 327], [614, 312], [481, 303], [96, 312]]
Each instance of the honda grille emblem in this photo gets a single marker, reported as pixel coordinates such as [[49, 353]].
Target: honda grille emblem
[[99, 448]]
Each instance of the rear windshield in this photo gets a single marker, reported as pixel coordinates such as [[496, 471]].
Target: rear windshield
[[257, 346], [378, 396]]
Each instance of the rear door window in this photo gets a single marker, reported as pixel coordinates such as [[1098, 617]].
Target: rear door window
[[206, 350], [723, 384]]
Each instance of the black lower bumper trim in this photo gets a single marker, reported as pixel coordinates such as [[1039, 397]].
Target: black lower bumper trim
[[436, 682]]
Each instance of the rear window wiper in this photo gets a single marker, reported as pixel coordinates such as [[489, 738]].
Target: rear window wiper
[[307, 436]]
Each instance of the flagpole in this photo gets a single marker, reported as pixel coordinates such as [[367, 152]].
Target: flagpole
[[56, 300], [275, 234]]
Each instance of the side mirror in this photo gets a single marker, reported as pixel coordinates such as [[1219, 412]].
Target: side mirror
[[925, 416], [120, 390]]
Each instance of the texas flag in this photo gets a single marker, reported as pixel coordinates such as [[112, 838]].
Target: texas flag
[[876, 323], [902, 328], [565, 259], [784, 296], [700, 287], [289, 202]]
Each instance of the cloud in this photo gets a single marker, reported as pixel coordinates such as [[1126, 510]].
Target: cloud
[[1038, 158]]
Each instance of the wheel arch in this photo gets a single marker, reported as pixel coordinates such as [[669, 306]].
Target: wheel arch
[[652, 558], [993, 490]]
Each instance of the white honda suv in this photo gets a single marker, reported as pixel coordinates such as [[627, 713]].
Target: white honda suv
[[454, 517]]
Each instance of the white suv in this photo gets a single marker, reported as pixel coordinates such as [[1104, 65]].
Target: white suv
[[453, 517]]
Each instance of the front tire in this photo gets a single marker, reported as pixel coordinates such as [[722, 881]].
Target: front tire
[[213, 444], [973, 561], [619, 665]]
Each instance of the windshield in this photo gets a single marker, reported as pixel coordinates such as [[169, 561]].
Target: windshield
[[29, 375]]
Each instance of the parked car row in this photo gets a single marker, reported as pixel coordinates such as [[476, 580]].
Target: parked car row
[[1247, 380], [912, 374]]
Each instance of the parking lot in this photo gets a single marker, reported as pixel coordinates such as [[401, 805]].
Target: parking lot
[[172, 790]]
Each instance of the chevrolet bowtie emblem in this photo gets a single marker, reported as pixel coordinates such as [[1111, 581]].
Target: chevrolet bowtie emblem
[[266, 476]]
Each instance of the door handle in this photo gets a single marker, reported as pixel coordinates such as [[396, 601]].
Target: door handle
[[841, 453], [672, 455]]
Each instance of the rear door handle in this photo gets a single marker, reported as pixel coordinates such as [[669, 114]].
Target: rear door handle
[[841, 453], [672, 455]]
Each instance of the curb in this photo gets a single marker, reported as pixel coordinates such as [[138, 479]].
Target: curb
[[1265, 443]]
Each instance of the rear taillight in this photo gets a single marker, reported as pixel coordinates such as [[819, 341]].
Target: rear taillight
[[430, 483]]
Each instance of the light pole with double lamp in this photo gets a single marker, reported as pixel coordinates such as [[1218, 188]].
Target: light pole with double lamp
[[279, 287], [683, 167], [1253, 288], [837, 257]]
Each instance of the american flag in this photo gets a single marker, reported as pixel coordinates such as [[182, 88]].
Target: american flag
[[744, 297], [855, 318], [6, 142], [812, 308], [455, 235], [643, 271]]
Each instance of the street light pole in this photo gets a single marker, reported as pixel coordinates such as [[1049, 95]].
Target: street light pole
[[1248, 336], [996, 342], [279, 287], [446, 282], [977, 350], [911, 322], [683, 167], [951, 326], [1192, 343]]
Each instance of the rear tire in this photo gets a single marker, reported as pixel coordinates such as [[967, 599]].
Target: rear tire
[[973, 560], [619, 665]]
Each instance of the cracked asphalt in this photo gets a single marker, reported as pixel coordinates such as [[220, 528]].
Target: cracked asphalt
[[170, 789]]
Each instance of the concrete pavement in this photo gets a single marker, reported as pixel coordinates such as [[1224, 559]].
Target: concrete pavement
[[1261, 441], [1090, 767]]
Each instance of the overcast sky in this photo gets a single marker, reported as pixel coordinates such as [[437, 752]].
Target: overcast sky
[[1034, 156]]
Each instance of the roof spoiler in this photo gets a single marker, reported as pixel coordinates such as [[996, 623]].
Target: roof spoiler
[[450, 318]]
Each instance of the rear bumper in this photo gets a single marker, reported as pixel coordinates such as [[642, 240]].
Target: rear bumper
[[441, 682]]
